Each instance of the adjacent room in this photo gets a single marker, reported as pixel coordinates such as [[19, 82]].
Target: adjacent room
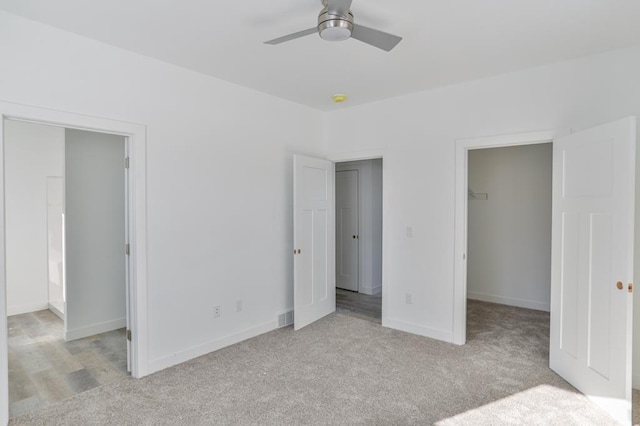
[[509, 226], [359, 238], [285, 108], [65, 222], [509, 246]]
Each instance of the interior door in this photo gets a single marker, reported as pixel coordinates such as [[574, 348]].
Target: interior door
[[347, 230], [592, 263], [314, 294]]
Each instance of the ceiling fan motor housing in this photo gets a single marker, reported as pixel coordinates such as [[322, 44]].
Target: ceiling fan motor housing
[[334, 27]]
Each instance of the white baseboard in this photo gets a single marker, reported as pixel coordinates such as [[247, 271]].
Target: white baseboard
[[521, 303], [214, 345], [369, 290], [636, 381], [90, 330], [56, 311], [24, 309], [434, 333]]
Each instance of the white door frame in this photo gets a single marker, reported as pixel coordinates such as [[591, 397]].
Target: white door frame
[[460, 243], [374, 155], [135, 135]]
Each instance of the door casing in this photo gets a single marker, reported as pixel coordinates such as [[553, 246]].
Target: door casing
[[460, 243], [135, 135]]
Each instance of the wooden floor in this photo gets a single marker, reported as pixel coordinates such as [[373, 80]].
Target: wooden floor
[[43, 368], [359, 305]]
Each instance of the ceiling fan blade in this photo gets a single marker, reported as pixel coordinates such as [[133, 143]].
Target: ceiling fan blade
[[376, 38], [293, 36], [341, 7]]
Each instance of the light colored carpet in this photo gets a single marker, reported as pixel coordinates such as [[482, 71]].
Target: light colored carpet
[[344, 370]]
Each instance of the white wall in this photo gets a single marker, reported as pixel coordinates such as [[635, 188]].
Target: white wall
[[370, 231], [219, 179], [418, 132], [32, 153], [509, 233], [94, 233]]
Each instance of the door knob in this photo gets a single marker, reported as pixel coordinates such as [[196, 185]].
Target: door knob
[[619, 285]]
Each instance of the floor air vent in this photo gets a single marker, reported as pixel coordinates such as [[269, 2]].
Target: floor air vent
[[285, 319]]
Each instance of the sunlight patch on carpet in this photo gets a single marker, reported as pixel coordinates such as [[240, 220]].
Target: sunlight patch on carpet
[[541, 405]]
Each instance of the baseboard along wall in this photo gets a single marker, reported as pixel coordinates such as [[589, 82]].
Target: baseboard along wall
[[214, 345], [445, 335], [90, 330], [25, 309], [371, 291], [521, 303]]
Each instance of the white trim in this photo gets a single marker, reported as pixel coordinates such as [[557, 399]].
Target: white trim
[[371, 291], [377, 289], [460, 240], [371, 155], [357, 156], [57, 312], [636, 381], [4, 345], [91, 330], [521, 303], [433, 333], [214, 345], [24, 309], [136, 134]]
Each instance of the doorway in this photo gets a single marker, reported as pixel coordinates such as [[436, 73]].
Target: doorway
[[509, 247], [593, 223], [509, 225], [463, 147], [359, 238], [135, 202], [314, 234], [66, 281]]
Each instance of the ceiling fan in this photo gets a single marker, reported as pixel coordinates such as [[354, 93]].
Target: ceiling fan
[[335, 23]]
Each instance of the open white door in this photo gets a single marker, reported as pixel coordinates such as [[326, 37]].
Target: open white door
[[314, 292], [592, 263]]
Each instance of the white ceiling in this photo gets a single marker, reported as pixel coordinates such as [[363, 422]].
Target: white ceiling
[[445, 41]]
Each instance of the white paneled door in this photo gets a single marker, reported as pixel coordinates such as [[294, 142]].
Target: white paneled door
[[314, 291], [592, 263], [347, 234]]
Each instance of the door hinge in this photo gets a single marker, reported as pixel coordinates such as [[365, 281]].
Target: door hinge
[[129, 335], [127, 249], [126, 162]]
